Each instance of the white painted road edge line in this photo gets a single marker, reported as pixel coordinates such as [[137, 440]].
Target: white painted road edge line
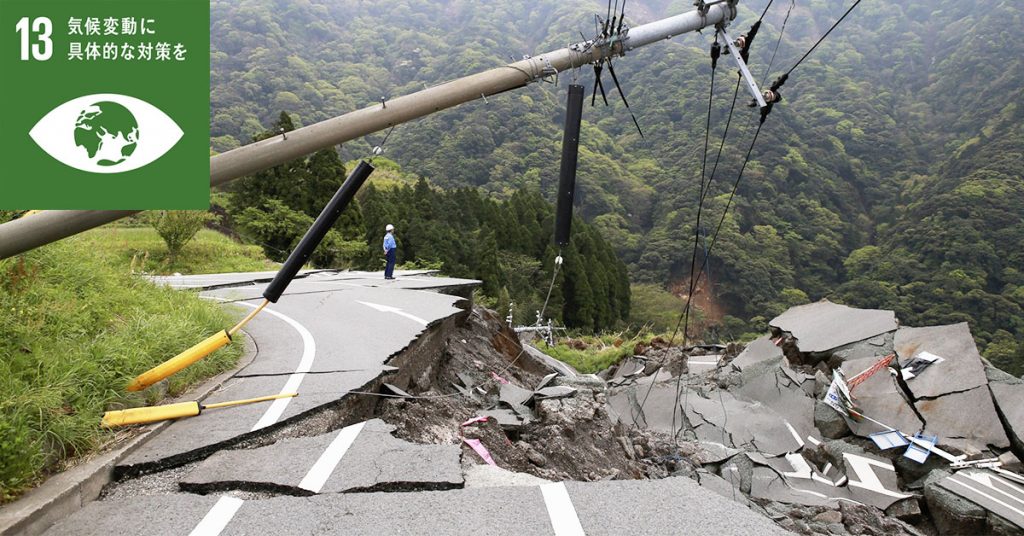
[[218, 517], [278, 406], [318, 474], [560, 510]]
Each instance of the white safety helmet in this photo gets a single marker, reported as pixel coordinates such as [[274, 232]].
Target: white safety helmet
[[389, 227]]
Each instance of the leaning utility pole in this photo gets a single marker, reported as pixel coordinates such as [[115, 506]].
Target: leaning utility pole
[[50, 225]]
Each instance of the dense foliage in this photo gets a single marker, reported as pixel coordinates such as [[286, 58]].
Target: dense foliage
[[890, 175]]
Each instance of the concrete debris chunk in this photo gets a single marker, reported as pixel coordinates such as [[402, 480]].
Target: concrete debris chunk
[[558, 391], [631, 366], [1009, 399], [760, 349], [722, 487], [879, 398], [545, 381], [829, 422], [984, 494], [490, 476], [822, 326], [711, 452], [703, 363], [513, 395], [506, 418], [962, 368], [396, 390], [969, 416], [791, 402]]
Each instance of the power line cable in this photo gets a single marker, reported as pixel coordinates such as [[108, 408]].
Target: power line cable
[[782, 31], [822, 38]]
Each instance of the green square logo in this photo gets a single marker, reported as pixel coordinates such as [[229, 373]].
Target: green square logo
[[107, 104]]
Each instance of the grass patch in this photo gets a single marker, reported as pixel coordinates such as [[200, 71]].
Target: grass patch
[[75, 327], [590, 354], [141, 249]]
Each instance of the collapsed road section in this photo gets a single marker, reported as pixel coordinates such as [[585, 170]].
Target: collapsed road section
[[417, 413], [421, 413]]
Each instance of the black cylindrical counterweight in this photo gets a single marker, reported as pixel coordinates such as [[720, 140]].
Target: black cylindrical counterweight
[[317, 231], [567, 175]]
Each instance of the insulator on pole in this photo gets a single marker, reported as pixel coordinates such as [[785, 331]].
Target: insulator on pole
[[567, 175], [300, 255]]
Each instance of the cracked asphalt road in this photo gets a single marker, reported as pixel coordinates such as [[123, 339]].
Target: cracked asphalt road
[[330, 334]]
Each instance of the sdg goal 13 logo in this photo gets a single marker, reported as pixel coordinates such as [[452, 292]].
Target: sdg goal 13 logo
[[106, 133], [111, 104]]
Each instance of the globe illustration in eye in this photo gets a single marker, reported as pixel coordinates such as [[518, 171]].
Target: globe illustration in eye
[[108, 132]]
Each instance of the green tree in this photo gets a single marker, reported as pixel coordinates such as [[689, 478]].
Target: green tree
[[177, 228]]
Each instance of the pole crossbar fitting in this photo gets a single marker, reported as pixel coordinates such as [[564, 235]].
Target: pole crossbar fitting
[[744, 71]]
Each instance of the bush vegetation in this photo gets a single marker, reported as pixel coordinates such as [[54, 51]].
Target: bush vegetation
[[75, 327]]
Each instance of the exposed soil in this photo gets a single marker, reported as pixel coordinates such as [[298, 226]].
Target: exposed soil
[[568, 438]]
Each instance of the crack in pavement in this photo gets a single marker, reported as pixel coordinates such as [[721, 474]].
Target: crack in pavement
[[271, 374]]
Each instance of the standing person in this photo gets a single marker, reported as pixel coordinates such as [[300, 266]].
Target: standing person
[[389, 251]]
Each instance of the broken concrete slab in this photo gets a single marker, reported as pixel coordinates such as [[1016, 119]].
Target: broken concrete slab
[[767, 484], [976, 495], [869, 479], [492, 476], [551, 363], [545, 381], [878, 398], [968, 416], [1009, 401], [807, 382], [881, 345], [789, 401], [872, 480], [682, 507], [962, 369], [557, 391], [703, 363], [507, 419], [759, 350], [722, 487], [823, 326], [712, 452], [745, 423], [513, 395], [907, 510], [630, 366], [995, 375], [375, 461]]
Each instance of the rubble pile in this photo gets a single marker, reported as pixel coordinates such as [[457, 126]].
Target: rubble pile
[[840, 421], [487, 390]]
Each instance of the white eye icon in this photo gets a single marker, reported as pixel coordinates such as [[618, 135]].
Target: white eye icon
[[106, 133]]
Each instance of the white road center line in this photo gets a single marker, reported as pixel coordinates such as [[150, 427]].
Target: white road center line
[[395, 310], [318, 474], [560, 510], [218, 517]]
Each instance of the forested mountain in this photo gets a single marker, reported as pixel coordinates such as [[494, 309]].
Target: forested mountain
[[890, 175]]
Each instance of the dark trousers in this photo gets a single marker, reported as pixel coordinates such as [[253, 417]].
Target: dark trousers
[[390, 268]]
